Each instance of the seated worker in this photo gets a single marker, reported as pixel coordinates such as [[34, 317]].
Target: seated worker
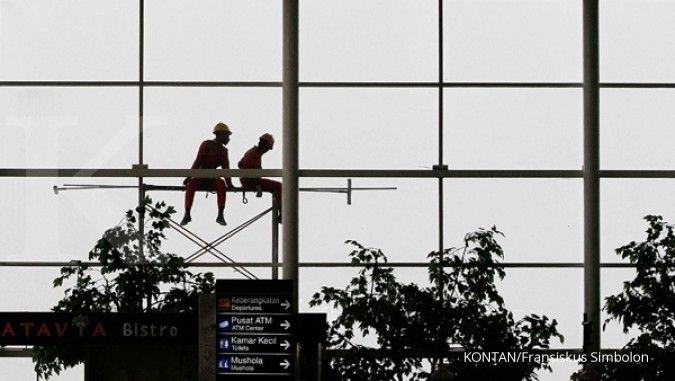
[[253, 160], [211, 155]]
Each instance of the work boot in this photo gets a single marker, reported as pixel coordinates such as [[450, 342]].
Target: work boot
[[221, 219], [186, 220]]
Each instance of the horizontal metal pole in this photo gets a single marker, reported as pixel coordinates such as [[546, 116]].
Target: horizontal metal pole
[[360, 84], [434, 85], [113, 172], [433, 173], [138, 83], [369, 84], [327, 264], [638, 174], [320, 84], [644, 85], [548, 85], [210, 84], [338, 173], [69, 83]]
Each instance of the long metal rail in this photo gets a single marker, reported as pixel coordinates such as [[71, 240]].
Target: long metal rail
[[333, 264], [331, 84], [335, 173]]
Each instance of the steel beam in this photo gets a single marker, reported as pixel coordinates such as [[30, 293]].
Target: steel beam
[[336, 173], [438, 173], [290, 102], [365, 84], [136, 172], [554, 265], [591, 177]]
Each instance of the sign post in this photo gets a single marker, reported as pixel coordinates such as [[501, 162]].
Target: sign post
[[255, 330]]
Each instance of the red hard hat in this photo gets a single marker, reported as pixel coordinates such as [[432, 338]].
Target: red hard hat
[[267, 139]]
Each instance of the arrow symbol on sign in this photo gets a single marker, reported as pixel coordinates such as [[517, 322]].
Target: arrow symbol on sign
[[285, 364], [286, 325], [286, 304], [285, 344]]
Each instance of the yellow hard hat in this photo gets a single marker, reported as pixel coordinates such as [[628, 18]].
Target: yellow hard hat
[[221, 127]]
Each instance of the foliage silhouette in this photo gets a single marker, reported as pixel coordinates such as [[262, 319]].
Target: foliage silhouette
[[460, 309], [127, 280], [646, 304]]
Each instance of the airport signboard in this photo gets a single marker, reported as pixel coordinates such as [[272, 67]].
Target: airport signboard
[[255, 330]]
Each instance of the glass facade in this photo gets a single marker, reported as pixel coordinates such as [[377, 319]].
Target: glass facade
[[492, 89]]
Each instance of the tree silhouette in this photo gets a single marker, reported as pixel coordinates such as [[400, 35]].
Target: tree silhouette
[[460, 309], [647, 303], [127, 280]]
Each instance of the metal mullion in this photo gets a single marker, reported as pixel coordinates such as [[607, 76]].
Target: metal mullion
[[637, 85], [524, 265], [141, 190], [433, 85], [591, 102], [451, 173], [290, 146], [334, 173], [314, 84], [136, 172], [68, 83], [441, 269], [552, 85], [430, 85], [637, 174], [138, 83], [211, 84]]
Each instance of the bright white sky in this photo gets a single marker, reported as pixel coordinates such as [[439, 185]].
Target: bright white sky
[[349, 40]]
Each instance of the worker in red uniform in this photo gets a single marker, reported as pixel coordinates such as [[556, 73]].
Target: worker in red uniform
[[212, 154], [253, 160]]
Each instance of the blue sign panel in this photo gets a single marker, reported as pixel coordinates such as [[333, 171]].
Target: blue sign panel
[[255, 330]]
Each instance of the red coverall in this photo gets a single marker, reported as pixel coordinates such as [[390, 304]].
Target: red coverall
[[253, 160], [211, 155]]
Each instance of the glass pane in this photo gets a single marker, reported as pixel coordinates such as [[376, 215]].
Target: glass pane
[[29, 288], [562, 371], [513, 129], [556, 293], [68, 127], [513, 40], [402, 222], [542, 220], [368, 40], [22, 369], [636, 129], [43, 226], [368, 128], [634, 36], [612, 284], [177, 120], [624, 204], [69, 40], [213, 40]]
